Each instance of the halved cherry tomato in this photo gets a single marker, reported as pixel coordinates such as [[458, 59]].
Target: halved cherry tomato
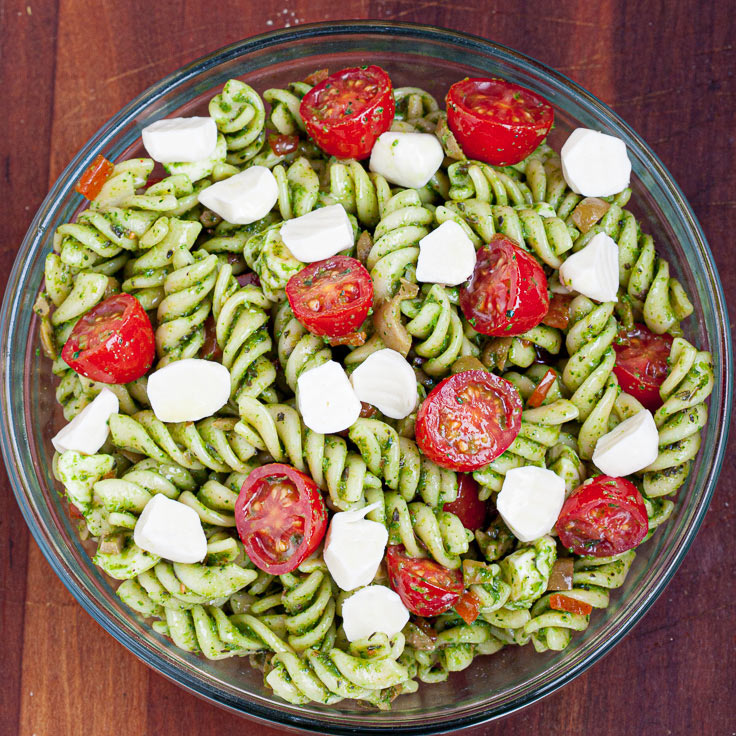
[[604, 516], [210, 350], [641, 364], [425, 587], [542, 389], [468, 420], [348, 110], [283, 144], [507, 293], [280, 516], [91, 182], [497, 121], [467, 506], [468, 607], [558, 314], [113, 342], [331, 298], [559, 602]]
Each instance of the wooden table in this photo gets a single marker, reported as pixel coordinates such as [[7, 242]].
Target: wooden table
[[667, 68]]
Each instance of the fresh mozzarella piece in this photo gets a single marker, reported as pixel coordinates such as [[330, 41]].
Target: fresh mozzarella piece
[[326, 399], [354, 547], [319, 234], [407, 159], [243, 198], [87, 432], [595, 164], [446, 256], [180, 139], [171, 530], [188, 390], [629, 447], [373, 609], [530, 501], [387, 381], [593, 271]]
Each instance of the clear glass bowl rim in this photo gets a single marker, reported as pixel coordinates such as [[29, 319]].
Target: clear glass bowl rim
[[33, 240]]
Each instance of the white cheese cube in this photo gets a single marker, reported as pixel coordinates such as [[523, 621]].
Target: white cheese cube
[[354, 547], [180, 139], [319, 234], [188, 390], [595, 164], [593, 271], [373, 609], [629, 447], [171, 530], [386, 380], [530, 501], [87, 432], [326, 400], [446, 256], [407, 159], [243, 198]]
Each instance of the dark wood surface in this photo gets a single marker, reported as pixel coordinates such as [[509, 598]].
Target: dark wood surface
[[667, 67]]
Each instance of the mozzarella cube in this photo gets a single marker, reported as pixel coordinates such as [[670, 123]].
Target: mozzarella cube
[[326, 399], [243, 198], [180, 139], [87, 432], [373, 609], [530, 501], [354, 547], [629, 447], [319, 234], [407, 159], [446, 256], [188, 390], [171, 530], [593, 271], [595, 164], [387, 381]]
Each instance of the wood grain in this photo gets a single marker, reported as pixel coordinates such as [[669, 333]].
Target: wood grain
[[668, 68]]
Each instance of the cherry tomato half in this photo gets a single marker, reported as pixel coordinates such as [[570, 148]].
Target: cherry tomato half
[[280, 516], [425, 587], [497, 121], [348, 110], [331, 298], [507, 293], [113, 342], [98, 172], [467, 506], [604, 516], [468, 420], [641, 364]]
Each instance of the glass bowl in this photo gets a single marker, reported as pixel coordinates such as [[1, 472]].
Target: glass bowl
[[414, 55]]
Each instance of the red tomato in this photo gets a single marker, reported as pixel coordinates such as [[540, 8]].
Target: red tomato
[[113, 342], [559, 602], [210, 350], [542, 389], [281, 517], [283, 144], [507, 293], [468, 420], [558, 314], [425, 587], [91, 182], [348, 110], [641, 364], [331, 298], [497, 121], [467, 506], [468, 607], [604, 516]]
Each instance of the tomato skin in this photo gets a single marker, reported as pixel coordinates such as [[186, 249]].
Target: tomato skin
[[263, 521], [113, 342], [347, 111], [641, 364], [468, 420], [604, 516], [467, 506], [249, 278], [560, 602], [542, 389], [425, 587], [507, 293], [496, 121], [210, 350], [331, 298], [468, 607], [558, 314], [93, 179]]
